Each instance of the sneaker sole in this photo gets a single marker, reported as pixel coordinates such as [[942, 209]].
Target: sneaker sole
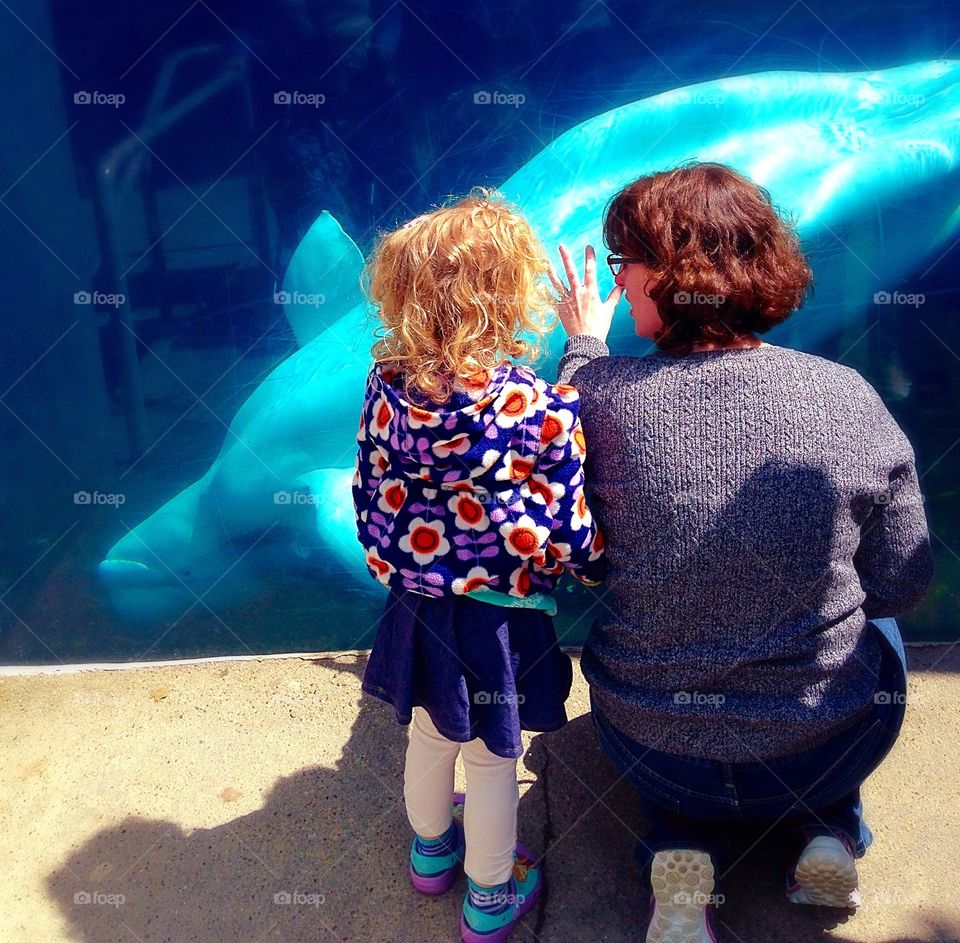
[[436, 883], [467, 935], [682, 882], [826, 878]]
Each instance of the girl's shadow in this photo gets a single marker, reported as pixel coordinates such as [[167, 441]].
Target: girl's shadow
[[322, 861]]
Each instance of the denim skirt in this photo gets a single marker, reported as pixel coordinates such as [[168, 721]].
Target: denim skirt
[[480, 670]]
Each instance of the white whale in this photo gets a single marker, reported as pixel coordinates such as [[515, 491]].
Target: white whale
[[865, 163]]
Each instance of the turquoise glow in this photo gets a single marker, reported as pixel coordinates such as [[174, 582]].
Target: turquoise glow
[[845, 154]]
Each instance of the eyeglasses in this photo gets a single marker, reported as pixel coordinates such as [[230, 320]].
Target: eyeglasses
[[617, 262]]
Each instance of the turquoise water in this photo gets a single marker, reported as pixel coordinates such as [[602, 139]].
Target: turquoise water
[[160, 179]]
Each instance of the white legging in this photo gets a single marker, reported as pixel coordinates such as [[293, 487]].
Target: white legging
[[490, 813]]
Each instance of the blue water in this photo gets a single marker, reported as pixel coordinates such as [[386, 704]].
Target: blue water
[[233, 127]]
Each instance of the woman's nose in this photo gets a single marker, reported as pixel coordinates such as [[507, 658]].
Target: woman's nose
[[620, 278]]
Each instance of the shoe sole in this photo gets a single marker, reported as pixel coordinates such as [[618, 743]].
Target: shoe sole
[[435, 883], [468, 935], [825, 877], [682, 882]]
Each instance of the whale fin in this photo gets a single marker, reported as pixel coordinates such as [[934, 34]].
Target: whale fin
[[336, 526], [322, 281]]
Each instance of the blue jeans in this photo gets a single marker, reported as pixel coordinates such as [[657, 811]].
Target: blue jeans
[[724, 808]]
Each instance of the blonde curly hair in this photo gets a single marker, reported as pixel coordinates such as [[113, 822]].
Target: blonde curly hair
[[459, 291]]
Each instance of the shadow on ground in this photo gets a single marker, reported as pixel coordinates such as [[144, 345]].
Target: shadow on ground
[[324, 861]]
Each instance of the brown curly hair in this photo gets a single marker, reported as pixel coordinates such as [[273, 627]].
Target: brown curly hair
[[724, 263], [459, 290]]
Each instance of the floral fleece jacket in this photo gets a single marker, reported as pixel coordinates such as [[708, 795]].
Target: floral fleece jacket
[[482, 493]]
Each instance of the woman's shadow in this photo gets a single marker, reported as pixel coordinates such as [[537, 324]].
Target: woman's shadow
[[324, 859]]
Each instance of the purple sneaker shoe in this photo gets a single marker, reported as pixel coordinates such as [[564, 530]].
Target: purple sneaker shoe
[[435, 874], [521, 892]]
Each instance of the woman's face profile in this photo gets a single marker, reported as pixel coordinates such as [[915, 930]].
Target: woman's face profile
[[634, 278]]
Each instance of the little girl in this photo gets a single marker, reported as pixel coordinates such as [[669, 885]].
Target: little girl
[[470, 505]]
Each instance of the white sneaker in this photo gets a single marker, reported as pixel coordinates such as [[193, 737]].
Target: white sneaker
[[825, 875], [682, 883]]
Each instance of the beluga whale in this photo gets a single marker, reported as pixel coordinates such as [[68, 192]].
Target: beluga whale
[[866, 164]]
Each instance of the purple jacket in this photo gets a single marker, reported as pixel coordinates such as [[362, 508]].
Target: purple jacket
[[483, 492]]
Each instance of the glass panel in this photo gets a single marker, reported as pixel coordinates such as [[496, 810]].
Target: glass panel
[[188, 196]]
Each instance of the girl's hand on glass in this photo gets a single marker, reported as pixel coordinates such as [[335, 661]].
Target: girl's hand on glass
[[580, 309]]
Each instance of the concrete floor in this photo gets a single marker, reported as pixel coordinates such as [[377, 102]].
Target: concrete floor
[[173, 803]]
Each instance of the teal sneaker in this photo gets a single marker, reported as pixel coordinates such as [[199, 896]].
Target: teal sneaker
[[520, 893], [435, 874]]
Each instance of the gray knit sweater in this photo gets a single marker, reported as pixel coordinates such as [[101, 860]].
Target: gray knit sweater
[[758, 506]]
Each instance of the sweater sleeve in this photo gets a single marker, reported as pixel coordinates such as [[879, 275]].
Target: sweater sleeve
[[579, 349], [894, 560], [575, 540]]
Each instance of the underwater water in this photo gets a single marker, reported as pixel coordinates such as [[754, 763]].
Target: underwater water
[[189, 193]]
